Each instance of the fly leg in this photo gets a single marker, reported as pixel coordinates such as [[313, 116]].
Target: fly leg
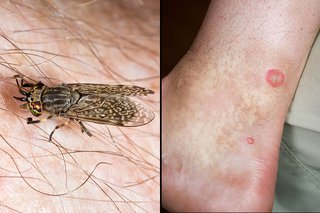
[[59, 126], [30, 121], [84, 129], [22, 85], [25, 84]]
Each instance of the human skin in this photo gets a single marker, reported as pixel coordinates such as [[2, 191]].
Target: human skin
[[107, 42], [223, 112]]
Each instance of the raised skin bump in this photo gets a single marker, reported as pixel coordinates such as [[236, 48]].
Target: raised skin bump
[[250, 140], [275, 77]]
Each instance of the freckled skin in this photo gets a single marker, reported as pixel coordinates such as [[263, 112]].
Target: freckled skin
[[250, 140], [275, 78]]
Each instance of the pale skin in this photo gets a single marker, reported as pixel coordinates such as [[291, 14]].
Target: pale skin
[[107, 42], [225, 104]]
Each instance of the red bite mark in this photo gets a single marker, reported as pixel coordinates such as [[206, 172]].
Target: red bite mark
[[275, 77], [250, 140]]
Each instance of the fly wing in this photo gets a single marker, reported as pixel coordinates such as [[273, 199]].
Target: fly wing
[[113, 110], [125, 90]]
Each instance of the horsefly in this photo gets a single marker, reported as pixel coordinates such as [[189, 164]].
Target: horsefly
[[97, 103]]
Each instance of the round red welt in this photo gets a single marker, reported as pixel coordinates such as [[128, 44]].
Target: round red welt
[[250, 140], [275, 77]]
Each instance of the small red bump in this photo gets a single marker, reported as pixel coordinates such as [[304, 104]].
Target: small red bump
[[250, 140], [275, 77]]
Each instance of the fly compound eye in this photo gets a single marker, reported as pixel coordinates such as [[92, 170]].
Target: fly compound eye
[[35, 108]]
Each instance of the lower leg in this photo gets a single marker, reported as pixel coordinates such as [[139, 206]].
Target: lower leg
[[222, 119]]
